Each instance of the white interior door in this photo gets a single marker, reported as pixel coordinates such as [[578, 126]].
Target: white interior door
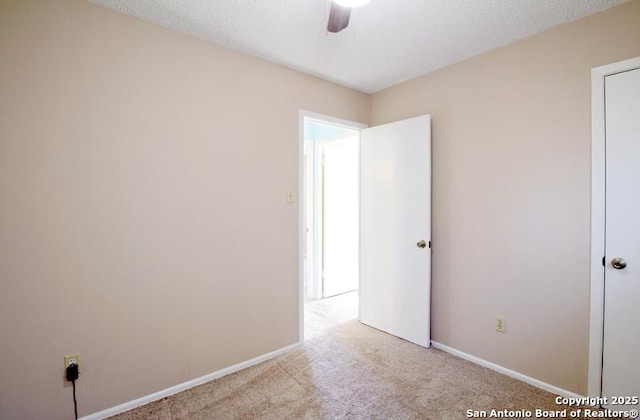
[[621, 357], [340, 203], [395, 216]]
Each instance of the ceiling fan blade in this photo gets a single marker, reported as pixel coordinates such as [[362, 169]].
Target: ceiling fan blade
[[338, 17]]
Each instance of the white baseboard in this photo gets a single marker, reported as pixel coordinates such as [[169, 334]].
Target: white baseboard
[[508, 372], [187, 385]]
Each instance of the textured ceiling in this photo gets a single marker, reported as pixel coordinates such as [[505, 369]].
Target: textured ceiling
[[387, 41]]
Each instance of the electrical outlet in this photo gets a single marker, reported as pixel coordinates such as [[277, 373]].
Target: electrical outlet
[[74, 358], [501, 324]]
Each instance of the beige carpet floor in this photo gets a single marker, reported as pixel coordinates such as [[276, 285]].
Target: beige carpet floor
[[351, 371]]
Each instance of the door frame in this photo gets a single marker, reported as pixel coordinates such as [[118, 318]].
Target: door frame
[[302, 115], [598, 162]]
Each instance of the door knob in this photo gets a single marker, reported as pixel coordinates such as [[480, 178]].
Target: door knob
[[422, 244], [618, 263]]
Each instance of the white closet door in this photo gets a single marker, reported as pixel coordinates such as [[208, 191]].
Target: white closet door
[[621, 361]]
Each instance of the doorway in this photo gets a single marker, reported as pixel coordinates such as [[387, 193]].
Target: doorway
[[388, 223], [330, 225]]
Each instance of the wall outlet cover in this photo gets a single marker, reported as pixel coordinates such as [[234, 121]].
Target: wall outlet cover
[[73, 358]]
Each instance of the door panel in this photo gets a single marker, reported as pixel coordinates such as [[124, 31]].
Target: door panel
[[621, 365], [340, 216], [395, 214]]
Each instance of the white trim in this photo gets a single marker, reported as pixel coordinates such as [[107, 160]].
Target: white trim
[[327, 119], [302, 115], [596, 321], [187, 385], [508, 372]]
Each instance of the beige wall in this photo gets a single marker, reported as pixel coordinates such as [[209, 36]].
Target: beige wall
[[143, 214], [511, 180]]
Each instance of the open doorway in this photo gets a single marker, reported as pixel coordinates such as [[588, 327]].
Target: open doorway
[[330, 223]]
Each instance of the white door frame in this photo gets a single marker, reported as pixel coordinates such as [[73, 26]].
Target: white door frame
[[596, 324], [301, 229]]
